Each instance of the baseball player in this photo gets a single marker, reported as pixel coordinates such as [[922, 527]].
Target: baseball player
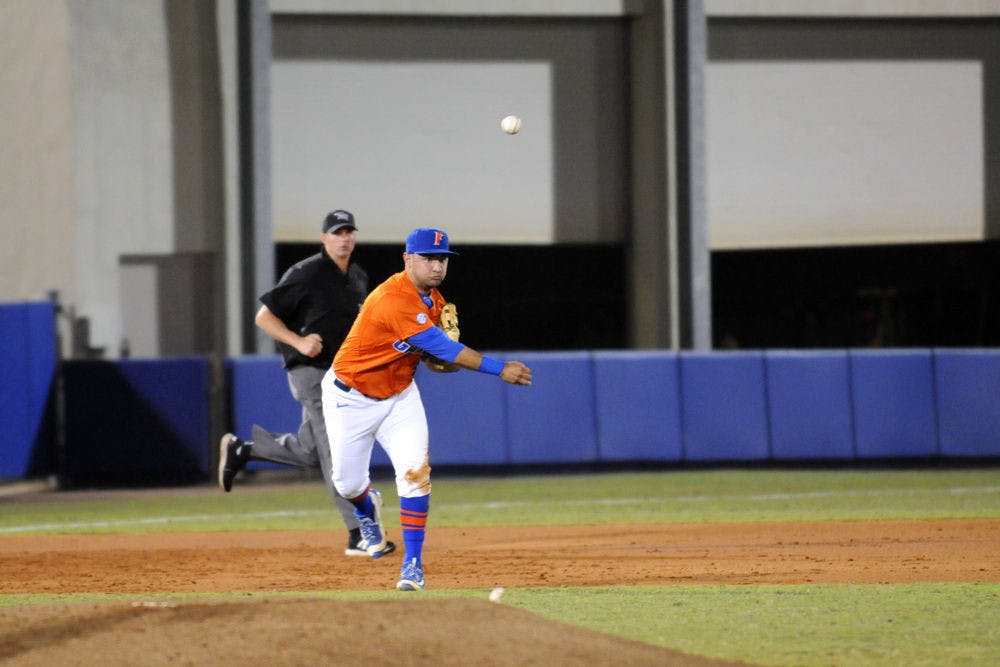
[[308, 313], [369, 394]]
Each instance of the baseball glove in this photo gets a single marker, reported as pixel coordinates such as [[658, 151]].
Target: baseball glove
[[448, 324], [449, 320]]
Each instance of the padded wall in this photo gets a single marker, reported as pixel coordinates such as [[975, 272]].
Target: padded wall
[[894, 405], [723, 406], [637, 406], [27, 363], [141, 421], [968, 399], [553, 421], [656, 405], [136, 421], [467, 417], [259, 394], [809, 402]]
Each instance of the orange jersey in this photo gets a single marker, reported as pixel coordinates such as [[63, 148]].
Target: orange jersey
[[375, 358]]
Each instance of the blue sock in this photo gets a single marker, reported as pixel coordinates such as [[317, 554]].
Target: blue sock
[[365, 508], [413, 520]]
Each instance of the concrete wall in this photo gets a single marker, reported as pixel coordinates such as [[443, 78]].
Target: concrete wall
[[112, 147], [123, 151], [399, 121], [840, 132], [118, 134], [37, 200]]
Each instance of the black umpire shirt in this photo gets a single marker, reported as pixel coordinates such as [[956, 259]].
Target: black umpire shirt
[[315, 297]]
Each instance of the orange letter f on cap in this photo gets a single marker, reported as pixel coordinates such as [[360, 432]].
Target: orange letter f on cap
[[437, 238]]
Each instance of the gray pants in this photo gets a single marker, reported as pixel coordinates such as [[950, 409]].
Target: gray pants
[[309, 447]]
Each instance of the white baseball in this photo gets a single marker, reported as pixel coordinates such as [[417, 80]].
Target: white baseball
[[495, 594], [511, 124]]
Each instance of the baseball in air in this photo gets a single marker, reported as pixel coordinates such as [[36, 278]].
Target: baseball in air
[[496, 593], [511, 124]]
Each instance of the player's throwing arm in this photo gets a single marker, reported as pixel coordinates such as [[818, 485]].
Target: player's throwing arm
[[512, 372], [515, 372]]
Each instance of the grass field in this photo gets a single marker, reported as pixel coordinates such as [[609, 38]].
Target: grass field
[[833, 624]]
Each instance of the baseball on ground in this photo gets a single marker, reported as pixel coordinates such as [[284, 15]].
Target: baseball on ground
[[511, 124]]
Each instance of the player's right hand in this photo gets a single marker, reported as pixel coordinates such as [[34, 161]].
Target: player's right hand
[[310, 346], [514, 372]]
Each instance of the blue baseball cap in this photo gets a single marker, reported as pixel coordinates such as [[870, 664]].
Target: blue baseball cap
[[426, 241]]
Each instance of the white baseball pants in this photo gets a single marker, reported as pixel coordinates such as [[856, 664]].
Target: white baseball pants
[[355, 422]]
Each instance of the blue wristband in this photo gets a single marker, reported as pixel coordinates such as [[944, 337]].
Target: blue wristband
[[491, 366]]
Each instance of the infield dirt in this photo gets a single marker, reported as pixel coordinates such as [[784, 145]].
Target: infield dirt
[[486, 557], [442, 632]]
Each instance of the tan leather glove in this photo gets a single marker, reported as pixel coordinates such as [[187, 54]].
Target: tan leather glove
[[448, 324]]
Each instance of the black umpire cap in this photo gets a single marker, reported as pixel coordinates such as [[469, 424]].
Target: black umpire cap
[[337, 219]]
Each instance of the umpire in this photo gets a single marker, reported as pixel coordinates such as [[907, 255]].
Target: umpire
[[308, 313]]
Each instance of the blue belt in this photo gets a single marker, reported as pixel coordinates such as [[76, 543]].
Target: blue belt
[[343, 386]]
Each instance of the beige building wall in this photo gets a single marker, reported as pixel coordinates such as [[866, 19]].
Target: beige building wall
[[37, 207], [124, 153], [110, 170], [119, 146]]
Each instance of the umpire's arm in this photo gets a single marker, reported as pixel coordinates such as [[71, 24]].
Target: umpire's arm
[[274, 327]]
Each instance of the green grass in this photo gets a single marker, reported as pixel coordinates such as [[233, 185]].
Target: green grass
[[660, 497], [915, 624], [677, 497]]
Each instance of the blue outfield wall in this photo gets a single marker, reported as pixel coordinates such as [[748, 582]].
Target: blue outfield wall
[[553, 420], [967, 387], [264, 398], [27, 368], [637, 406], [660, 406], [473, 408], [724, 407], [136, 421], [894, 407], [797, 382], [133, 421], [259, 394]]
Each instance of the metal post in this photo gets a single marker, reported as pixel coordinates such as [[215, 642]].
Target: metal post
[[256, 244]]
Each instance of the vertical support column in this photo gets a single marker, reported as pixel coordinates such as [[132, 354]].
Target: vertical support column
[[694, 258], [649, 245], [670, 288], [257, 247]]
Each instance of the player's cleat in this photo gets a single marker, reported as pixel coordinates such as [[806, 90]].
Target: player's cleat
[[233, 457], [372, 530], [356, 545], [411, 576]]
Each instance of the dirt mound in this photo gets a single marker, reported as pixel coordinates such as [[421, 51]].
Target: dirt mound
[[310, 632]]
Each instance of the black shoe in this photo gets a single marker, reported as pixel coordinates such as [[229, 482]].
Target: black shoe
[[233, 457], [356, 546]]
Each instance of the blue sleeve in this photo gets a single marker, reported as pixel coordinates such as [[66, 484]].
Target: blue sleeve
[[436, 342]]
